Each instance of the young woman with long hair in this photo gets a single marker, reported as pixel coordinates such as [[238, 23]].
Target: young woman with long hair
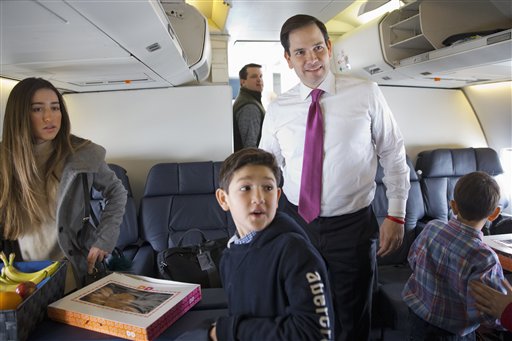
[[42, 168]]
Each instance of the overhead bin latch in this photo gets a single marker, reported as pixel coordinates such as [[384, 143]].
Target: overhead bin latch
[[373, 69]]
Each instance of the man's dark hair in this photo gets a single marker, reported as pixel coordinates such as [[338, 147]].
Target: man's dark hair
[[243, 71], [245, 157], [299, 21], [477, 195]]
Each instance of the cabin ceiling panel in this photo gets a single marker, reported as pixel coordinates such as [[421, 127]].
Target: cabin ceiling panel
[[55, 32], [262, 19]]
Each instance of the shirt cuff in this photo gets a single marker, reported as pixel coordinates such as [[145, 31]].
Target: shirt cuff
[[396, 208]]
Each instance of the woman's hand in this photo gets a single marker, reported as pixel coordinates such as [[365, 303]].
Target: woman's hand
[[95, 255], [491, 301]]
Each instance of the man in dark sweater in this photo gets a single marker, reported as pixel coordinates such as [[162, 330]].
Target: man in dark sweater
[[275, 279], [248, 112]]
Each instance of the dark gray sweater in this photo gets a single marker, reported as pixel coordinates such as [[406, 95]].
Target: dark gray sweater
[[248, 113]]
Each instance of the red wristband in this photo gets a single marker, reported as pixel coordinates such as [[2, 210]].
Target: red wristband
[[396, 220]]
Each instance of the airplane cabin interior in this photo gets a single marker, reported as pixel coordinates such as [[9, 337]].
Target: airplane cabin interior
[[153, 81]]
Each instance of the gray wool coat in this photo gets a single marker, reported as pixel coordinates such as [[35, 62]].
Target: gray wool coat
[[73, 240]]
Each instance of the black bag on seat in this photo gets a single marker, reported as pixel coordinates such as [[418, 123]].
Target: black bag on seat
[[195, 263]]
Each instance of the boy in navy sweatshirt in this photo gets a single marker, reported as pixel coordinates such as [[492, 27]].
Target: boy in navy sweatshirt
[[276, 281]]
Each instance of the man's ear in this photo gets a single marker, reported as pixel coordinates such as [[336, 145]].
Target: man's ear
[[221, 197], [494, 214], [288, 59], [454, 207], [329, 47]]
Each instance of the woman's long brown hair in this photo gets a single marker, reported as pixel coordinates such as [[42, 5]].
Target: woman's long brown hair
[[20, 179]]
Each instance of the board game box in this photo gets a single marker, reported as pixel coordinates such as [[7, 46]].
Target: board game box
[[127, 306]]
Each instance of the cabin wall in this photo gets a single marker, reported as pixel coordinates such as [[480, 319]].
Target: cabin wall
[[6, 86], [143, 127], [434, 118], [140, 128], [493, 106], [478, 116]]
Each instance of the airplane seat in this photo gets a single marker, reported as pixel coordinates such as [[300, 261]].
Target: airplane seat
[[439, 170], [502, 225], [393, 270], [138, 252], [179, 197]]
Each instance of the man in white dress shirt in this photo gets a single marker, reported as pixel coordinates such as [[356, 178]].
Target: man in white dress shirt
[[359, 130]]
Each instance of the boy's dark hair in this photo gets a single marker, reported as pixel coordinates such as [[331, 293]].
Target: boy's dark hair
[[299, 21], [243, 71], [245, 157], [477, 195]]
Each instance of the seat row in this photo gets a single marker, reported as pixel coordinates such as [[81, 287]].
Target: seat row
[[181, 196], [176, 198]]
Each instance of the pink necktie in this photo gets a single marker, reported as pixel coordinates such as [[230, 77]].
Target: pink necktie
[[311, 181]]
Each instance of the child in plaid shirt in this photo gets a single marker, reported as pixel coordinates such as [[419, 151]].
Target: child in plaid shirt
[[445, 257]]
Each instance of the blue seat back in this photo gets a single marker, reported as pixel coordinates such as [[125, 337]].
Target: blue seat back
[[134, 249], [129, 227], [440, 169], [181, 196]]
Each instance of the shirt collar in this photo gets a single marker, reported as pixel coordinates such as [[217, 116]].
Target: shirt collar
[[466, 229], [328, 85], [244, 240]]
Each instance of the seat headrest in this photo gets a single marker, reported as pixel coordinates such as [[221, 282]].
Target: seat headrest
[[458, 162], [182, 178], [121, 174]]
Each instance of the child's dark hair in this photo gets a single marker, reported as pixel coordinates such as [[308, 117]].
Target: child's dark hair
[[477, 195], [244, 157]]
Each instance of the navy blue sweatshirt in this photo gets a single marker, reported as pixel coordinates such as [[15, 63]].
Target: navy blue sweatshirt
[[277, 287]]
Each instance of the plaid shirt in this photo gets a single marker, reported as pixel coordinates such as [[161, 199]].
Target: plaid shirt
[[444, 258]]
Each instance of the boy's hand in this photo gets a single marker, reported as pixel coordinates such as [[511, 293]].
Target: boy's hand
[[213, 333], [491, 301], [390, 238]]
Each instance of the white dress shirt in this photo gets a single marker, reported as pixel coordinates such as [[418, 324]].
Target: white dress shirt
[[359, 126]]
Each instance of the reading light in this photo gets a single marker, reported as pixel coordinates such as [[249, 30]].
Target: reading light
[[372, 9]]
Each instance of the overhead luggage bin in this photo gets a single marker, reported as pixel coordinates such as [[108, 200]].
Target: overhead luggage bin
[[104, 45], [434, 44]]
